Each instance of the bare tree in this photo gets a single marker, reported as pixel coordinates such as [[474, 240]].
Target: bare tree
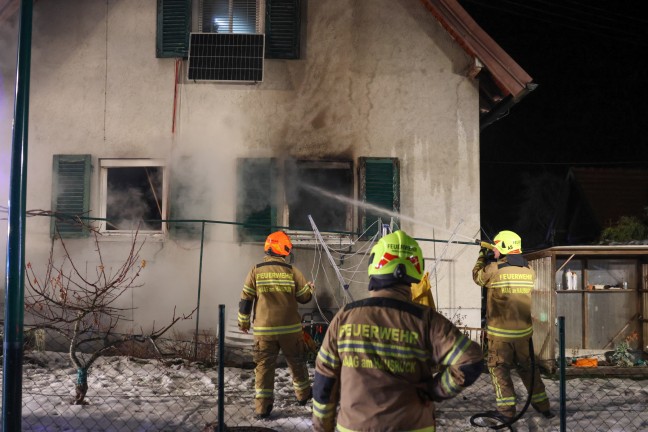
[[83, 308]]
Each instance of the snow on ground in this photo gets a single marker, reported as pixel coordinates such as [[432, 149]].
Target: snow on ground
[[127, 394]]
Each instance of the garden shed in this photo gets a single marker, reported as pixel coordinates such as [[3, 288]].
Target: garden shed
[[602, 291]]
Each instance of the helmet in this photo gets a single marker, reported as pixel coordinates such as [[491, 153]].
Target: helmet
[[507, 242], [278, 244], [396, 257]]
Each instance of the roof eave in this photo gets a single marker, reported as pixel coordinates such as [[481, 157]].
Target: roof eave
[[502, 80]]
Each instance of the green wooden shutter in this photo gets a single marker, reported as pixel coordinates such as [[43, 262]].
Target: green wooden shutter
[[70, 195], [283, 29], [380, 186], [256, 198], [173, 27]]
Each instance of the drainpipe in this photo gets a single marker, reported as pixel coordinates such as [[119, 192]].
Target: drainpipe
[[15, 271]]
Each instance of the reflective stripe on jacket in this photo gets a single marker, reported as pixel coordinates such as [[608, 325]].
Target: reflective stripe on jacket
[[275, 287], [377, 360], [509, 283]]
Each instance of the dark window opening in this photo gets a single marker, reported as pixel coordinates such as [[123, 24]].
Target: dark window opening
[[327, 181], [134, 198]]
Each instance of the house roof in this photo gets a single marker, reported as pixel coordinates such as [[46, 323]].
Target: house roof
[[613, 192], [502, 82]]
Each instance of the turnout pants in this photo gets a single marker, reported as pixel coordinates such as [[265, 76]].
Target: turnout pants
[[266, 351], [503, 357]]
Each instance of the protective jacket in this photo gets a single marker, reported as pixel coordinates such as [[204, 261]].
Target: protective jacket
[[509, 283], [376, 363], [272, 290]]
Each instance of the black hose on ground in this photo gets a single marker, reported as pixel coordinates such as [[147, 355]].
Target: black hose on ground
[[509, 423]]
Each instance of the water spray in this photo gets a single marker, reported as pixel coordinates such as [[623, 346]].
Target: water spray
[[380, 210]]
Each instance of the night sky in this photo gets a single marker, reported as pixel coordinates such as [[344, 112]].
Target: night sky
[[590, 107]]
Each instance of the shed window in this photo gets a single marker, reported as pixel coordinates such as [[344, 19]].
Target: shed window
[[133, 196], [598, 297], [70, 195]]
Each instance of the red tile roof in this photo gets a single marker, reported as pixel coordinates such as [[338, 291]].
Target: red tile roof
[[502, 81]]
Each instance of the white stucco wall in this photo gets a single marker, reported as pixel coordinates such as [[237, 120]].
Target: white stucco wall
[[378, 78]]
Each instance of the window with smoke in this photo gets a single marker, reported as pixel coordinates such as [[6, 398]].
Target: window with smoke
[[312, 188], [133, 195]]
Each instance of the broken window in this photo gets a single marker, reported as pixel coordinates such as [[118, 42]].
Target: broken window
[[133, 195]]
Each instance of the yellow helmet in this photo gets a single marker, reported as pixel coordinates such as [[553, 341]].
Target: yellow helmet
[[507, 242]]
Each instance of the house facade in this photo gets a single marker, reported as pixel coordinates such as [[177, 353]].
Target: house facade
[[373, 104]]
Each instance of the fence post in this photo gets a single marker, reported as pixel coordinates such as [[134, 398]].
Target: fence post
[[13, 338], [563, 392], [221, 368], [202, 245]]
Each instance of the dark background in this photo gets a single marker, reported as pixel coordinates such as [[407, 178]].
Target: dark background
[[590, 107]]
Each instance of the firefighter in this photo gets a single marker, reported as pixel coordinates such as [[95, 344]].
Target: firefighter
[[271, 291], [509, 281], [375, 363]]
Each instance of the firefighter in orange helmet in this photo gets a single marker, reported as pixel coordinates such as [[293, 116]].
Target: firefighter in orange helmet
[[509, 281], [271, 292]]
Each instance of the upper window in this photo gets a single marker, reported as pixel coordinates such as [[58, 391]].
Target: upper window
[[279, 20], [133, 196], [230, 16]]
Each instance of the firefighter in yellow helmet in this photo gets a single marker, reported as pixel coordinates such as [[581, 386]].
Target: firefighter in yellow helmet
[[375, 363], [271, 292], [509, 281]]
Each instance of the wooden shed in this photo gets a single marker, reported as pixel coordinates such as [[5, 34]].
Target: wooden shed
[[602, 291]]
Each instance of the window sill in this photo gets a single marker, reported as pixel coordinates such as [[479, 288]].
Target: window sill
[[128, 236]]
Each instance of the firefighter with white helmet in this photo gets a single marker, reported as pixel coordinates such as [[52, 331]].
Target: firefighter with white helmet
[[271, 292], [375, 363], [509, 282]]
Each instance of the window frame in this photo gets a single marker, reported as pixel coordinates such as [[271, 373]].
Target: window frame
[[107, 163]]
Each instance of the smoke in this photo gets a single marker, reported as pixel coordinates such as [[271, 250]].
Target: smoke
[[134, 196]]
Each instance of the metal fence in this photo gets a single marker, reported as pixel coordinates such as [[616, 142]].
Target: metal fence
[[169, 385]]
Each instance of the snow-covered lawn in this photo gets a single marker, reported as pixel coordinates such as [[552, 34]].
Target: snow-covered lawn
[[127, 394]]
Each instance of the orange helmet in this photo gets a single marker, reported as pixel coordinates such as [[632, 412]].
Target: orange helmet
[[278, 243]]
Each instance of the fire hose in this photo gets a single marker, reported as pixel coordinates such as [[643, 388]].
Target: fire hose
[[510, 422], [491, 415]]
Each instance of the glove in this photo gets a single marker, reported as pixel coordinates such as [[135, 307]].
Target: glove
[[429, 390], [483, 252], [245, 327]]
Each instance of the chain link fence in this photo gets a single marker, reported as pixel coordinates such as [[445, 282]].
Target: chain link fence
[[173, 385]]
